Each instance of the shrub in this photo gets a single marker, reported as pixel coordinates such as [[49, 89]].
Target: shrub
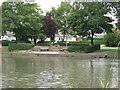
[[5, 42], [112, 39], [19, 46], [72, 43], [75, 48], [43, 44], [28, 42], [100, 41], [75, 42], [61, 43], [92, 48]]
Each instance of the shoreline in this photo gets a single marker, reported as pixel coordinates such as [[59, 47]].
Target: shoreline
[[81, 55]]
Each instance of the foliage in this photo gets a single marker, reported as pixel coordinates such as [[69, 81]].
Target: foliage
[[86, 18], [104, 84], [112, 39], [41, 37], [72, 44], [61, 17], [75, 48], [5, 42], [49, 27], [99, 41], [45, 43], [116, 8], [92, 48], [19, 46], [24, 19]]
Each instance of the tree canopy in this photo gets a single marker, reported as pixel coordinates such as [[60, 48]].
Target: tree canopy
[[26, 21], [61, 17], [89, 18], [23, 19]]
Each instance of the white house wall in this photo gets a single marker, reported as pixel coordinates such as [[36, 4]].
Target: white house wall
[[61, 38]]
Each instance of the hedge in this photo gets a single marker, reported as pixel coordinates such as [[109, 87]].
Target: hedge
[[5, 42], [45, 43], [19, 46], [92, 48], [75, 48], [71, 44]]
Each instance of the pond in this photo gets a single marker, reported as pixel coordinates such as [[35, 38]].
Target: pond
[[47, 71]]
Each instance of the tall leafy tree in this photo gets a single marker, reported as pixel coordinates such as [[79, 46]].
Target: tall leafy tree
[[49, 27], [88, 18], [22, 18], [116, 8], [61, 17]]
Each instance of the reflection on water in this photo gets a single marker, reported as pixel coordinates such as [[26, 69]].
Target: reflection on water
[[57, 72]]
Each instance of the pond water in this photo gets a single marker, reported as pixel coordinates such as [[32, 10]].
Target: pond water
[[57, 72]]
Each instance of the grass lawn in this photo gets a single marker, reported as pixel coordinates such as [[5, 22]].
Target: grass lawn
[[114, 52], [103, 50], [4, 49]]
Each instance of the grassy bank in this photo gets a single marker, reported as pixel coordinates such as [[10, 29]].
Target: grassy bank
[[4, 49], [112, 52]]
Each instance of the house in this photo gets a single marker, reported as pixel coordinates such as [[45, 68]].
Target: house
[[9, 36], [59, 37]]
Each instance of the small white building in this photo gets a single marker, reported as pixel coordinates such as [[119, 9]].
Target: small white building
[[60, 37], [9, 36]]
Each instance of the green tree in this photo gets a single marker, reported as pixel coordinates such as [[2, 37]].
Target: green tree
[[116, 8], [61, 17], [23, 19], [112, 39], [88, 18]]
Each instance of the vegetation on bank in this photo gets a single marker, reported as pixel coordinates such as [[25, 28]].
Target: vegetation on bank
[[69, 19], [112, 39], [19, 46]]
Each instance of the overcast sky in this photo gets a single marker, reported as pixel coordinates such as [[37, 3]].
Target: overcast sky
[[45, 4]]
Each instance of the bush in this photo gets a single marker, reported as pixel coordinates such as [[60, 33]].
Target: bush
[[92, 48], [99, 41], [61, 43], [112, 39], [75, 42], [72, 43], [19, 46], [43, 44], [5, 42], [75, 48]]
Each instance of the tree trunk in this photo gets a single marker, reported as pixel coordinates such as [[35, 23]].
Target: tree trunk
[[35, 41], [92, 33], [52, 38], [63, 38]]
